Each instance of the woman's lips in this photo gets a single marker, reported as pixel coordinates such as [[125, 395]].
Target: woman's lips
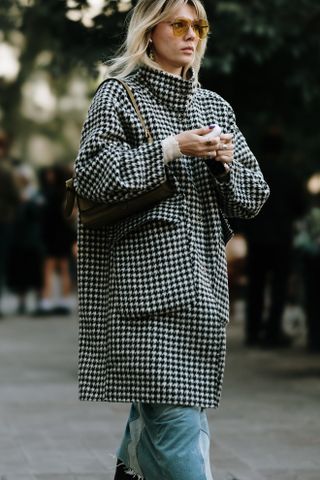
[[188, 50]]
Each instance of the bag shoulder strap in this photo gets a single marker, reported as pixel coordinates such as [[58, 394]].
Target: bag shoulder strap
[[70, 197], [147, 132], [71, 193]]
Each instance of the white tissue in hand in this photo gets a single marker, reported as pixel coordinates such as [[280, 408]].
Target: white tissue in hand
[[215, 132]]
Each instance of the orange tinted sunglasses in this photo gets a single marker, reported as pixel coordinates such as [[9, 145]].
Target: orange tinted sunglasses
[[181, 26]]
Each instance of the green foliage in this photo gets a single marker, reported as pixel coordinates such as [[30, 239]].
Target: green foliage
[[261, 56]]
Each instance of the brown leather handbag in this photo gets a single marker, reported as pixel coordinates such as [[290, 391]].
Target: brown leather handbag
[[96, 215]]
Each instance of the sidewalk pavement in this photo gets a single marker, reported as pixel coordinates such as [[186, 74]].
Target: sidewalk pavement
[[267, 427]]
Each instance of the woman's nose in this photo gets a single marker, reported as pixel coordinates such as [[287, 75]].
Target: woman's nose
[[190, 34]]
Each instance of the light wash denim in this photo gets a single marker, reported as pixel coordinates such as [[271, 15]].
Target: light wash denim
[[166, 442]]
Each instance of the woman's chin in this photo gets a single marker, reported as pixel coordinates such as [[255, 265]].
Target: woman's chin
[[184, 62]]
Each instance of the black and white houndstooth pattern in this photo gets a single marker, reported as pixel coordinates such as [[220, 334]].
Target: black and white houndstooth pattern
[[153, 289]]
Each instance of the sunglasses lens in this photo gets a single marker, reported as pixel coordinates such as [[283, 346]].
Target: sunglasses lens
[[201, 28], [180, 27]]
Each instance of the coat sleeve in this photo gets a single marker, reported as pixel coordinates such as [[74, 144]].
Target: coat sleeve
[[243, 191], [107, 168]]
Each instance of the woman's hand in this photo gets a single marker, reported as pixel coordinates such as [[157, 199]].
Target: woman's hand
[[225, 148], [193, 143]]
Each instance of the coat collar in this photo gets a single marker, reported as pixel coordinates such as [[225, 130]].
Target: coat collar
[[171, 90]]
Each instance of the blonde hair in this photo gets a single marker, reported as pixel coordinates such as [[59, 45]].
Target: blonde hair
[[143, 18]]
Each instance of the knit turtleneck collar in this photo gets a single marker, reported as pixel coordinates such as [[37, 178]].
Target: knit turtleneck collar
[[169, 89]]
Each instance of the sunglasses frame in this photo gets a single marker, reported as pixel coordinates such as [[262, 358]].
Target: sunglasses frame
[[190, 23]]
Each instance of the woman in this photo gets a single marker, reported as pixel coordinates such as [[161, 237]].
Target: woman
[[153, 288], [59, 237], [26, 252]]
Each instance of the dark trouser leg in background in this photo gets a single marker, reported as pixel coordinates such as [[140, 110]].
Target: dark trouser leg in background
[[5, 229], [279, 257], [257, 273], [311, 281]]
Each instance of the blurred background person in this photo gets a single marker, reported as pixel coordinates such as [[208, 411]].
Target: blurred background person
[[269, 237], [307, 243], [26, 251], [59, 237], [9, 200]]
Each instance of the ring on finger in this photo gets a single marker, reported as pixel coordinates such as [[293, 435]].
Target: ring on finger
[[223, 146]]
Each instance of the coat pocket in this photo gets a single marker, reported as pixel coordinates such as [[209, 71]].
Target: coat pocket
[[152, 270]]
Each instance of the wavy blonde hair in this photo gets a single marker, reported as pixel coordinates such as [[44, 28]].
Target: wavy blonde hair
[[142, 19]]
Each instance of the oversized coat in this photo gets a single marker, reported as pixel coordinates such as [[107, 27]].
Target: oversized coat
[[153, 289]]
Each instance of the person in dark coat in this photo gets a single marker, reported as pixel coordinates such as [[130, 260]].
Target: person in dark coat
[[270, 241], [153, 290], [307, 244], [59, 237], [26, 253], [9, 201]]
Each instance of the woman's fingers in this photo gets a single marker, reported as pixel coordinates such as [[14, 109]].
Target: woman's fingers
[[201, 131], [195, 143], [226, 143], [213, 153], [226, 137], [224, 158], [225, 153], [225, 149]]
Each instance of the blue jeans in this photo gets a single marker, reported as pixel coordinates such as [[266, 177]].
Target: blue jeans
[[166, 442]]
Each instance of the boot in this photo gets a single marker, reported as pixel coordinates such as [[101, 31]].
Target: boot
[[122, 475]]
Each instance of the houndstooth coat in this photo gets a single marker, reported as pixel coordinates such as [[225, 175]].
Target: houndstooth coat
[[153, 289]]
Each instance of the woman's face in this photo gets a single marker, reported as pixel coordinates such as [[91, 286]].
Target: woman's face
[[170, 51]]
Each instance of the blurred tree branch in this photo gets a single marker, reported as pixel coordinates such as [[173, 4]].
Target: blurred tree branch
[[261, 55]]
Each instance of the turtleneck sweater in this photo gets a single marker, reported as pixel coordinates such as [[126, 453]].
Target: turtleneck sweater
[[182, 91], [180, 98], [171, 90]]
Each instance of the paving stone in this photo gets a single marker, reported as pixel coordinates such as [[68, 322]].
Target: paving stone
[[266, 428], [94, 477], [49, 476], [17, 477], [297, 475], [13, 461]]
